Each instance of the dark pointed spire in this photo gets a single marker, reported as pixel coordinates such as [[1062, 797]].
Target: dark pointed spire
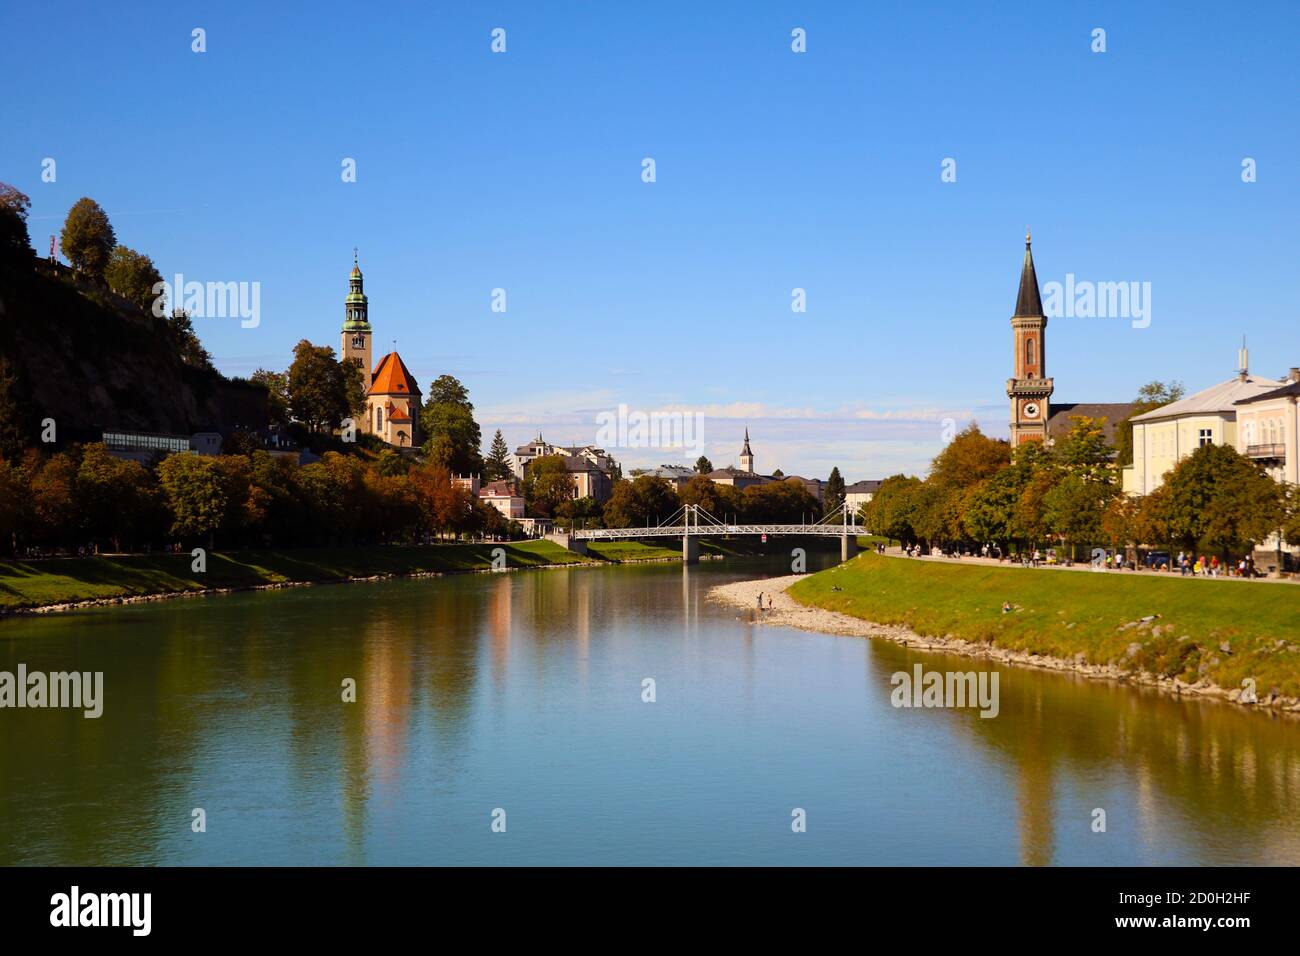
[[1028, 302], [745, 450]]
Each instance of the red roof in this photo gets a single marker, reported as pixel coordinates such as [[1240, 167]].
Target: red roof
[[395, 414], [392, 377]]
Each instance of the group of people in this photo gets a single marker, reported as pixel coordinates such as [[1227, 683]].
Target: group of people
[[1186, 563], [758, 614], [1213, 568]]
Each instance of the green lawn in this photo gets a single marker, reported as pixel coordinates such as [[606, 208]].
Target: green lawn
[[60, 581], [1065, 613], [632, 551]]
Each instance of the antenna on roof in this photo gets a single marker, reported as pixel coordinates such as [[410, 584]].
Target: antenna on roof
[[1243, 360]]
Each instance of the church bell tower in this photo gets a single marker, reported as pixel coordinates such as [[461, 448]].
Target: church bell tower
[[746, 456], [1030, 390], [356, 324]]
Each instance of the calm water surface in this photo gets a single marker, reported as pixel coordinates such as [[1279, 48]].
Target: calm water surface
[[523, 691]]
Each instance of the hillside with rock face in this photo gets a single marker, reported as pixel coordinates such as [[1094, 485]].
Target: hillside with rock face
[[90, 360]]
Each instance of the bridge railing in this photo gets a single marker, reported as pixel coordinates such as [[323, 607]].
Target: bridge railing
[[679, 531]]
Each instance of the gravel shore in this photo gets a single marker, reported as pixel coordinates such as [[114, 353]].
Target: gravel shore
[[787, 612]]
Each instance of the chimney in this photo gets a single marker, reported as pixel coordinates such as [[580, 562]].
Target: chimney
[[1293, 375]]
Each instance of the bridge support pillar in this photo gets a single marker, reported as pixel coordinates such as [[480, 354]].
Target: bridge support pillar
[[848, 546], [690, 549], [568, 541]]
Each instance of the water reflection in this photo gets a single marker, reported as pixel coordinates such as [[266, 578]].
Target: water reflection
[[524, 690]]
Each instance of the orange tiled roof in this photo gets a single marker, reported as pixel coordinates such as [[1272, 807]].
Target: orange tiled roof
[[392, 377], [395, 414]]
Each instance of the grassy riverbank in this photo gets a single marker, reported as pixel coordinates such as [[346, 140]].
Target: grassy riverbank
[[61, 581], [1217, 630], [27, 584]]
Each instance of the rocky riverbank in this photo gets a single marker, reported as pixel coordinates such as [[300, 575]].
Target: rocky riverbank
[[787, 612]]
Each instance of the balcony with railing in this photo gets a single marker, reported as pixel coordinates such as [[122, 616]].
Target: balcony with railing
[[1275, 451]]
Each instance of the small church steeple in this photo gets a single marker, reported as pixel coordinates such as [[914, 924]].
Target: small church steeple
[[746, 456]]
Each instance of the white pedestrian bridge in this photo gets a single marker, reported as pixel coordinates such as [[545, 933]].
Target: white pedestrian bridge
[[691, 522]]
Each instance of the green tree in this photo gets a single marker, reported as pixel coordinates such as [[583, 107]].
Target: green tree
[[452, 438], [705, 493], [1073, 509], [317, 387], [1221, 500], [703, 466], [497, 465], [547, 485], [833, 495], [114, 496], [196, 494], [990, 512], [892, 510], [133, 276], [779, 502], [14, 206], [448, 390], [88, 239], [645, 500], [392, 463], [1084, 451]]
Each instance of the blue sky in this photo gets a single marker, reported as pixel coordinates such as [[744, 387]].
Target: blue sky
[[775, 170]]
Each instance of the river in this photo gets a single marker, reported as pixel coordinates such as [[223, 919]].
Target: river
[[523, 693]]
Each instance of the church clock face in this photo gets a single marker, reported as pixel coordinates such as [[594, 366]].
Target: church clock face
[[1031, 409]]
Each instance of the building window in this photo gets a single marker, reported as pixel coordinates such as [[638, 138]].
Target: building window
[[379, 419], [1206, 437], [1029, 351]]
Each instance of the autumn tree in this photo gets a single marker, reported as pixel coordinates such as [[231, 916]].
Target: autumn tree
[[444, 506], [53, 484], [88, 239]]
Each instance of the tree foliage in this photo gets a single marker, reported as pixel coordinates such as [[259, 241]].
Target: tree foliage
[[452, 438], [318, 387], [497, 465], [14, 207], [88, 238], [133, 276]]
